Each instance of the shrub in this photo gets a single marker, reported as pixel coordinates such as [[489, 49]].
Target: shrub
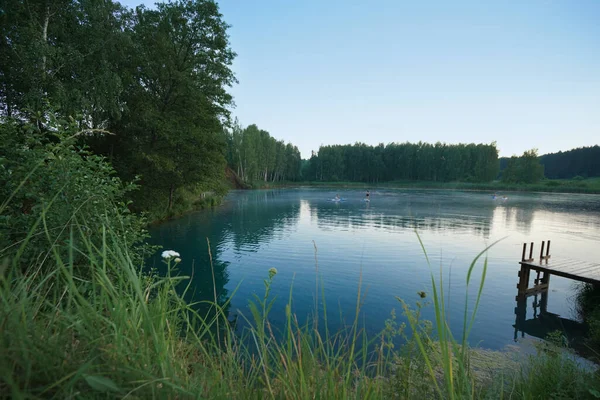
[[552, 183], [51, 185]]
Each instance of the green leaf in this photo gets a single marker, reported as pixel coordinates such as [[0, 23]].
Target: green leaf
[[101, 383]]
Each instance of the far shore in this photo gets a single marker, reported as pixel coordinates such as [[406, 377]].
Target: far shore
[[586, 186]]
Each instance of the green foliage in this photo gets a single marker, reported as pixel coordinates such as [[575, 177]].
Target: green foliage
[[553, 373], [587, 306], [256, 156], [524, 169], [576, 164], [116, 333], [171, 131], [157, 78], [66, 52], [406, 161], [51, 185]]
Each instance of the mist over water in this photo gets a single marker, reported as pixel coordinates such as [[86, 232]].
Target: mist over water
[[375, 243]]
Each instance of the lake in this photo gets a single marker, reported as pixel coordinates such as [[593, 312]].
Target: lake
[[257, 230]]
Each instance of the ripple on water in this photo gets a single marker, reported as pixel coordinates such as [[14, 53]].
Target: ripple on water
[[376, 243]]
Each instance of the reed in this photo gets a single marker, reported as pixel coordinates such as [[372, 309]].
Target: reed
[[90, 323]]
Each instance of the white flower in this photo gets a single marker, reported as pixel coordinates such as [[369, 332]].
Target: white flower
[[168, 254]]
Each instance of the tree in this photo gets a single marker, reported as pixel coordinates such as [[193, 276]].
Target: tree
[[66, 53], [584, 162], [170, 133], [405, 161], [157, 79], [524, 169]]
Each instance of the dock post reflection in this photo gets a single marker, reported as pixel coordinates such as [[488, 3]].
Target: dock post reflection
[[544, 322]]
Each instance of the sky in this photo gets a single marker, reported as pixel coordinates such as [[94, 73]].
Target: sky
[[525, 74]]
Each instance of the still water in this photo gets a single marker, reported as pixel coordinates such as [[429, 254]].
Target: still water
[[257, 230]]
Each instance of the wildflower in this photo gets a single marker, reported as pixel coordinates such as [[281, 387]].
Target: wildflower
[[272, 272], [177, 260], [168, 254]]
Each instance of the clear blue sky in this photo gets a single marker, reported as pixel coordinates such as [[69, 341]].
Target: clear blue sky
[[522, 73]]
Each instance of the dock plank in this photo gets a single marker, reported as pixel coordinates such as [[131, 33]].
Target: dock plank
[[583, 271]]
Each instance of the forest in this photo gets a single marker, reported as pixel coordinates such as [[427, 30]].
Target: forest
[[256, 156], [583, 162], [404, 161], [147, 89]]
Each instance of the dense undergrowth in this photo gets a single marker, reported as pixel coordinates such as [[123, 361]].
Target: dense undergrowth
[[588, 309], [81, 317]]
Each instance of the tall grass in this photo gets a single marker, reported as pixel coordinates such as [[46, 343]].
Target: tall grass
[[103, 328]]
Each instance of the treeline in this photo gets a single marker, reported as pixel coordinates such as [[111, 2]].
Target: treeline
[[404, 161], [583, 161], [524, 169], [256, 156]]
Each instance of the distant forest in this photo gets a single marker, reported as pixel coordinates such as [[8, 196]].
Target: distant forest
[[404, 161], [583, 162], [256, 156], [148, 92]]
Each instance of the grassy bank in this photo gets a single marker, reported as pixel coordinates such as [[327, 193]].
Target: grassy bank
[[82, 317], [97, 326], [591, 185]]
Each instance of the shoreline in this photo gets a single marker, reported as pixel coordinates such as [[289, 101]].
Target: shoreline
[[590, 187], [462, 186]]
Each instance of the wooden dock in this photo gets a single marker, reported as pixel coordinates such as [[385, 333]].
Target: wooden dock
[[544, 322], [545, 266]]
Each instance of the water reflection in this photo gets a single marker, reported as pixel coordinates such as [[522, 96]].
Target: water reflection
[[256, 230], [391, 213], [200, 264], [543, 323]]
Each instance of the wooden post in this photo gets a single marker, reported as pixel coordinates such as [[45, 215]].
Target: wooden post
[[525, 252], [520, 317], [547, 256], [523, 284], [544, 299]]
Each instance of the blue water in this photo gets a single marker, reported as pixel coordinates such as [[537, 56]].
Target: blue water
[[257, 230]]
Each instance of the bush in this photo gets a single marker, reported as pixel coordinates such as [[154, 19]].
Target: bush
[[553, 373], [51, 185], [587, 306], [552, 183]]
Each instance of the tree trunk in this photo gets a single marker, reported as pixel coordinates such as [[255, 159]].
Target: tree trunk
[[171, 191], [45, 38], [241, 167]]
